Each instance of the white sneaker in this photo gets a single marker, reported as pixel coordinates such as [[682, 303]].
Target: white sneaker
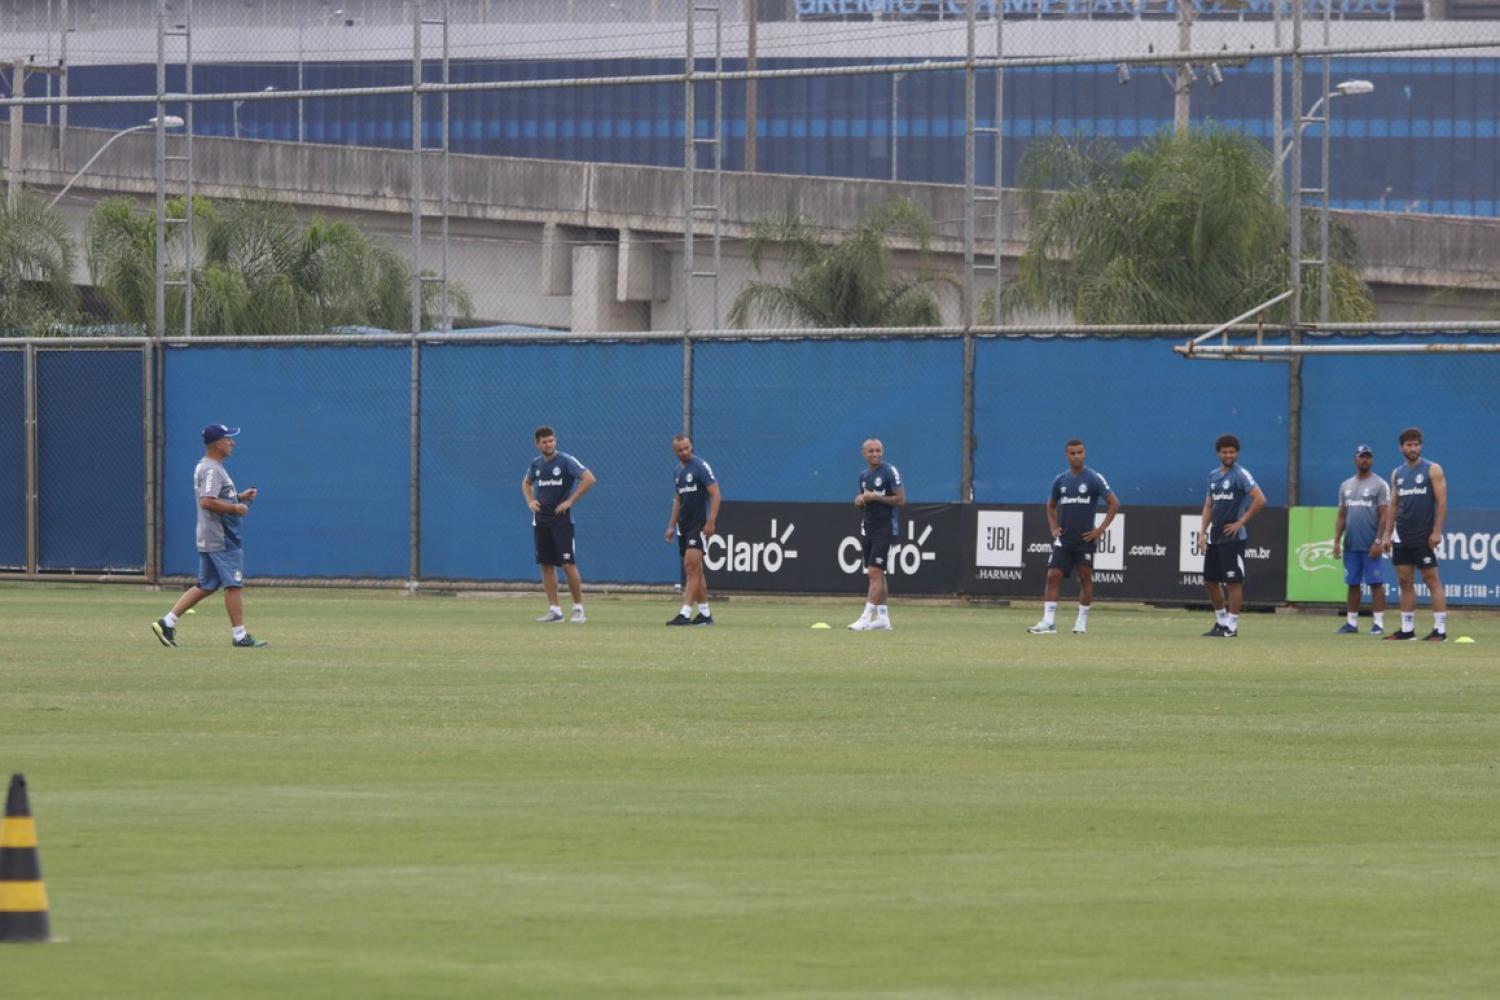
[[880, 625], [861, 625], [551, 616], [1043, 628], [578, 617], [1080, 630]]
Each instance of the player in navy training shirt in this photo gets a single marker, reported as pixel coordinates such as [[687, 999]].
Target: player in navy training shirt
[[1419, 506], [1233, 499], [695, 509], [1070, 515], [881, 495], [549, 488]]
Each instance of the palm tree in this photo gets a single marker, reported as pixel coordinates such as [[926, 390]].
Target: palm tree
[[257, 270], [850, 283], [37, 256], [1182, 229]]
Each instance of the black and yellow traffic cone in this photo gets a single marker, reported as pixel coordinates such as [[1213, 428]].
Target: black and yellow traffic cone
[[23, 897]]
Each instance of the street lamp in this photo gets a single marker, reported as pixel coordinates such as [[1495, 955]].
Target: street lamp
[[1349, 88], [170, 121], [235, 109]]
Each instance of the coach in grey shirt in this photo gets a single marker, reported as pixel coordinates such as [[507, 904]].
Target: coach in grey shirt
[[1364, 507], [221, 557]]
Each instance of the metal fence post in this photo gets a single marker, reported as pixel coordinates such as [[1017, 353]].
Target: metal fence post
[[148, 421], [1294, 223], [415, 563], [28, 394]]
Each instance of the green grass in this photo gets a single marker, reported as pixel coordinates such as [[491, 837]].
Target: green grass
[[423, 796]]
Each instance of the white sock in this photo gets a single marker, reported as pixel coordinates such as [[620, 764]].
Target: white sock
[[1352, 618], [555, 609], [170, 620], [687, 611], [577, 607], [1440, 622], [882, 612], [1231, 622], [238, 631], [1083, 615], [1221, 616], [1408, 621], [703, 610], [1379, 617], [869, 612], [1049, 612]]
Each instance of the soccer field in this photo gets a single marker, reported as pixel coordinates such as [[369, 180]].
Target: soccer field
[[436, 797]]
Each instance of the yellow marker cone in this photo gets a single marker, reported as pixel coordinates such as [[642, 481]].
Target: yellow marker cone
[[23, 897], [821, 625]]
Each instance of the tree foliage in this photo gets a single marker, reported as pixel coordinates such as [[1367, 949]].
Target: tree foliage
[[37, 256], [848, 283], [257, 270], [1181, 229]]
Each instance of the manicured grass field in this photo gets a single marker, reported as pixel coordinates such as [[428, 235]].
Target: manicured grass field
[[436, 797]]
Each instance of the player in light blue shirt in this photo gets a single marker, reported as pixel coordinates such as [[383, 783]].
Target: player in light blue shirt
[[1359, 531], [1233, 499]]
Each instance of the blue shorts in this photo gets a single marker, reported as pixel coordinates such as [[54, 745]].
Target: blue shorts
[[225, 568], [1360, 568]]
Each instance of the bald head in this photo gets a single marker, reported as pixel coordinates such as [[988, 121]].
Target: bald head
[[874, 451]]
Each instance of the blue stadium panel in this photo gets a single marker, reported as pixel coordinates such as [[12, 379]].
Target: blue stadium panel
[[12, 460], [91, 461], [326, 438], [1148, 417], [784, 420], [1350, 400], [614, 406]]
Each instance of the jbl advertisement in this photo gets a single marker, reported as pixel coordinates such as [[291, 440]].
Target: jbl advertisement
[[1148, 554]]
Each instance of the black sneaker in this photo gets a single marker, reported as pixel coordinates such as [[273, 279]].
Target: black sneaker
[[1229, 633], [681, 620], [165, 634], [1435, 636], [1217, 632], [1400, 636], [249, 642], [702, 619]]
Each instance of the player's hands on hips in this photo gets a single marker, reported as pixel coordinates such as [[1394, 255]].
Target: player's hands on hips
[[708, 530], [562, 508], [1233, 527], [535, 505], [1092, 535]]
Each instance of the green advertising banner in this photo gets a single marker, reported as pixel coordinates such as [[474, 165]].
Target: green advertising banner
[[1312, 574]]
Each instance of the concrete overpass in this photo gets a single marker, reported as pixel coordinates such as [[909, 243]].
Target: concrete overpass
[[598, 246]]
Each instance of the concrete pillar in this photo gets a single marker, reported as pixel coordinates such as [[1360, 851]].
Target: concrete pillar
[[642, 276], [594, 306], [557, 259]]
